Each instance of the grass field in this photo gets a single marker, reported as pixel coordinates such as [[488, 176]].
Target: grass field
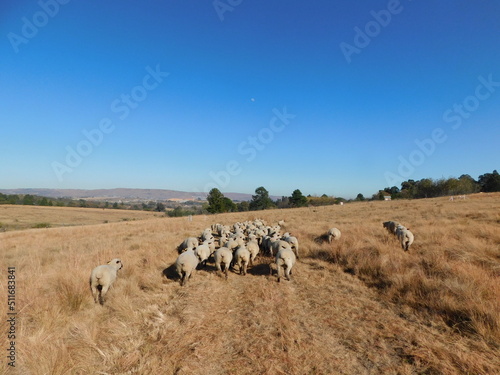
[[14, 217], [357, 306]]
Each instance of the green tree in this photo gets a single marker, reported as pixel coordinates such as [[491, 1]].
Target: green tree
[[468, 185], [228, 205], [28, 200], [298, 199], [160, 207], [216, 202], [360, 197], [261, 200], [490, 182], [243, 206]]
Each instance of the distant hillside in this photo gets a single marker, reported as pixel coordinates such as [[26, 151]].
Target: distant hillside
[[122, 193]]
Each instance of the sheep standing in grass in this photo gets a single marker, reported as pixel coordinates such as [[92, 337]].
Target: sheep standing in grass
[[188, 243], [333, 233], [203, 253], [253, 248], [405, 237], [185, 265], [242, 258], [285, 260], [102, 277], [294, 243], [223, 256]]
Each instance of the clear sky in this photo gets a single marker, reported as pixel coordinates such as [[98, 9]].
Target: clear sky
[[335, 97]]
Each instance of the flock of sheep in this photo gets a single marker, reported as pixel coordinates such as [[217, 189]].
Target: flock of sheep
[[237, 246], [234, 246]]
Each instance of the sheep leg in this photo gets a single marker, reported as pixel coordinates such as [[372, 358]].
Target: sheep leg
[[245, 268], [104, 290], [94, 293]]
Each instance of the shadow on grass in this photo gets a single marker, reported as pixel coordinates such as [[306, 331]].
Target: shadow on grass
[[170, 273], [261, 269]]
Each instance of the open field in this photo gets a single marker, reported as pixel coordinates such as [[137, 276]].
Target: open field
[[358, 306], [15, 217]]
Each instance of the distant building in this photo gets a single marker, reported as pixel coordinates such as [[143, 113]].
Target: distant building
[[387, 197]]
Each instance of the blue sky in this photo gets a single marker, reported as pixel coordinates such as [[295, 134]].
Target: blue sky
[[329, 97]]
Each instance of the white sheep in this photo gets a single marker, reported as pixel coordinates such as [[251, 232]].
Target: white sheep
[[294, 243], [232, 244], [277, 245], [223, 256], [207, 235], [242, 258], [203, 253], [285, 260], [405, 237], [185, 264], [253, 248], [267, 243], [188, 243], [333, 233], [102, 277]]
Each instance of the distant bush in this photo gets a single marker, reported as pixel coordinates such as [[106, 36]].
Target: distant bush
[[179, 211], [42, 225]]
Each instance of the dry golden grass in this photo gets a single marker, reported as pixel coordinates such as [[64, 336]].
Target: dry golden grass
[[358, 306], [15, 217]]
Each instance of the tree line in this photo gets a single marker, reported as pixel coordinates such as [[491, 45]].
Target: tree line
[[218, 203], [431, 188]]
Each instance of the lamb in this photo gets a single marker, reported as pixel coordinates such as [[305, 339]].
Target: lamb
[[285, 260], [333, 233], [223, 256], [241, 258], [188, 243], [185, 264], [294, 243], [102, 277], [405, 237]]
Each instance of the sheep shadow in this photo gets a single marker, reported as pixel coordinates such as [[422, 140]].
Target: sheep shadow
[[206, 268], [170, 272], [321, 239], [261, 269]]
